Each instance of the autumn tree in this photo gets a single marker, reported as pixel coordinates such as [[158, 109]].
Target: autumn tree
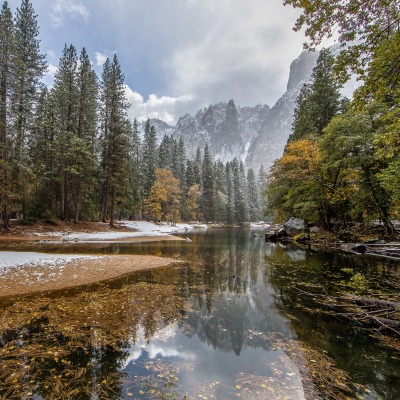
[[296, 183], [163, 200], [193, 202]]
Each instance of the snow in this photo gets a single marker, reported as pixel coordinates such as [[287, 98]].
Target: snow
[[139, 229], [9, 259]]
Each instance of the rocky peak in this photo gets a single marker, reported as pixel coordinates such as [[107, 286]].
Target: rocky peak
[[300, 68]]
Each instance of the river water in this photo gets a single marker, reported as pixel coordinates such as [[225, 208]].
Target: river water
[[231, 322]]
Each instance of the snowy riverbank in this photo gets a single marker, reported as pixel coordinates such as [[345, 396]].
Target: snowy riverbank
[[133, 230]]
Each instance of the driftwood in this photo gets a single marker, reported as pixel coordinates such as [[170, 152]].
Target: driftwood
[[365, 301], [387, 250], [366, 312]]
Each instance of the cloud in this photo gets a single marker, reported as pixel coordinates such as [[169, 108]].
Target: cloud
[[165, 108], [48, 78], [100, 58], [61, 8], [244, 54]]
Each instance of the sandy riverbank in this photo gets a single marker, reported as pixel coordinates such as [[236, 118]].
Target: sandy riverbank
[[93, 232], [24, 273]]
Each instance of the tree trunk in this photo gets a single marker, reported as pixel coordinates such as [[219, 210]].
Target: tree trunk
[[104, 200], [112, 211]]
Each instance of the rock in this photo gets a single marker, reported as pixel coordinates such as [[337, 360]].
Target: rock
[[359, 248], [275, 236], [295, 226]]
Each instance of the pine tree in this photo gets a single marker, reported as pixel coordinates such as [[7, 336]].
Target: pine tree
[[65, 100], [208, 185], [254, 206], [318, 101], [165, 153], [83, 146], [150, 158], [262, 184], [230, 191], [197, 167], [6, 53], [43, 153], [190, 179], [28, 68], [115, 139], [240, 186], [135, 171]]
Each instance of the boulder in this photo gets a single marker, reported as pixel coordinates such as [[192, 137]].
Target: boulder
[[275, 236], [295, 226]]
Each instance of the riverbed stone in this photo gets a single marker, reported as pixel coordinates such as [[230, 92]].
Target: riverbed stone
[[295, 226]]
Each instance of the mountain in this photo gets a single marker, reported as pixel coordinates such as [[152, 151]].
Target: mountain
[[256, 135], [227, 129], [271, 139]]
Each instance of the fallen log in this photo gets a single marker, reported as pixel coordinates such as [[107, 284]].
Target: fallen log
[[380, 304]]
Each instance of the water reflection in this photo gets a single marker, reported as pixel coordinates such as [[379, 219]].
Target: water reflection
[[227, 324]]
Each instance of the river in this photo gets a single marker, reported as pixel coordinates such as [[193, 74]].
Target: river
[[228, 323]]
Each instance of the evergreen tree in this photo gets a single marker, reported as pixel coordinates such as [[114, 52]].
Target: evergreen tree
[[197, 167], [262, 185], [254, 206], [65, 102], [220, 176], [43, 153], [28, 68], [135, 173], [165, 153], [240, 186], [115, 139], [230, 191], [190, 178], [318, 101], [83, 146], [208, 185], [6, 55], [150, 159]]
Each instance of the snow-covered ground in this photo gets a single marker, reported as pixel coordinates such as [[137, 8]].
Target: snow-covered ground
[[9, 259], [139, 229]]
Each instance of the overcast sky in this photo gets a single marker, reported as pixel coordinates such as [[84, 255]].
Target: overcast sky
[[179, 55]]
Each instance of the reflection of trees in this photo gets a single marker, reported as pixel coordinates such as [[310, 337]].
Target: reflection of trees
[[352, 349], [73, 345], [230, 297]]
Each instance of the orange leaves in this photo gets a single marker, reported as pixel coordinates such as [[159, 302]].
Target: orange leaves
[[301, 160], [164, 196]]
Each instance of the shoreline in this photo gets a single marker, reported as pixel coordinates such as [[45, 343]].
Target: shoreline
[[83, 270]]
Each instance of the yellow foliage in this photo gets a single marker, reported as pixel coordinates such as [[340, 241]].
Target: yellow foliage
[[302, 159], [163, 200]]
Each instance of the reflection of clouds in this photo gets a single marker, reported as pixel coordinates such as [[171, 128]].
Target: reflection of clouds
[[155, 350], [158, 347]]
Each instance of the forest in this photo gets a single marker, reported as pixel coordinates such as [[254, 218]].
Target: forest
[[70, 151], [341, 164]]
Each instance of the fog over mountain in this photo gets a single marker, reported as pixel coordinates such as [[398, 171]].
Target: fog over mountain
[[255, 134]]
